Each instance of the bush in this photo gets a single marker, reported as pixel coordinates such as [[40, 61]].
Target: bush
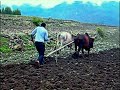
[[100, 32], [36, 21]]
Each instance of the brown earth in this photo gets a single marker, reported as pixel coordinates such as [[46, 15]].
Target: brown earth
[[96, 72]]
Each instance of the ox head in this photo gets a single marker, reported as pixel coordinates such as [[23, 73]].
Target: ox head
[[91, 42]]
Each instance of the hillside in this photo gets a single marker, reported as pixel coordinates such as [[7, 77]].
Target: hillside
[[17, 29], [14, 23]]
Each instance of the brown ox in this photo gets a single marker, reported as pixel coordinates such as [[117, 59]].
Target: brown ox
[[83, 41]]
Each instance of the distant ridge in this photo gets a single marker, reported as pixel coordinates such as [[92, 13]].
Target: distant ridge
[[106, 14]]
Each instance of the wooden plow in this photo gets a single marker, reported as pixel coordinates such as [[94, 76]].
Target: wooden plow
[[58, 50]]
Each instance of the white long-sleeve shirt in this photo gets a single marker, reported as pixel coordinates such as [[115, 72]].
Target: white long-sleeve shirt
[[41, 34]]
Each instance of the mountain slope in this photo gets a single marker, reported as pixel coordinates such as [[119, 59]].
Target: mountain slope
[[107, 13]]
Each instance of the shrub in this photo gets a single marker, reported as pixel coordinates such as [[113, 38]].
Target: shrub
[[36, 21], [100, 32]]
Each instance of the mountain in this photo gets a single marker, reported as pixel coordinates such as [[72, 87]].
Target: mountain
[[107, 13]]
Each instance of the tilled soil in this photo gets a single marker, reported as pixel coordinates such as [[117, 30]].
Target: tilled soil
[[96, 72]]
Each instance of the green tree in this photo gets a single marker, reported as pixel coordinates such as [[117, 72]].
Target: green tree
[[3, 11], [8, 10], [16, 12], [0, 10]]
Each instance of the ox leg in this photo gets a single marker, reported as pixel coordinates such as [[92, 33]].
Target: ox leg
[[75, 47], [57, 43], [76, 54], [70, 46], [78, 50], [82, 52], [61, 42], [88, 52]]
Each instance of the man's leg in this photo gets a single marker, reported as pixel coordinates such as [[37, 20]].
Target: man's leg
[[41, 53], [41, 49]]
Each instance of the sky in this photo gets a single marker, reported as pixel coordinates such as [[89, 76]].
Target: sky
[[90, 11], [50, 3]]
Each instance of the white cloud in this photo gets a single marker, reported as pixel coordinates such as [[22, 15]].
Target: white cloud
[[49, 3], [98, 2]]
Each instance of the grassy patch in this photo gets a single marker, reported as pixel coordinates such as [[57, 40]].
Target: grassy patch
[[4, 45], [100, 32]]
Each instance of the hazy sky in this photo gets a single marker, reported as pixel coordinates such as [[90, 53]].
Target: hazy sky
[[49, 3]]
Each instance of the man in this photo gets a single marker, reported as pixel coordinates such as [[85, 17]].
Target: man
[[41, 35]]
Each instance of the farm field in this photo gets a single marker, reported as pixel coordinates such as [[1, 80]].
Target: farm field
[[99, 71]]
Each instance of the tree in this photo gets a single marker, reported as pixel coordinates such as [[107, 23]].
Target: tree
[[0, 10], [16, 12], [3, 11], [8, 10]]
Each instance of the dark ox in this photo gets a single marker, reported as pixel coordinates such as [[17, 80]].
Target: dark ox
[[83, 41]]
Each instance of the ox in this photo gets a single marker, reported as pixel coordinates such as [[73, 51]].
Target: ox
[[64, 38], [83, 41]]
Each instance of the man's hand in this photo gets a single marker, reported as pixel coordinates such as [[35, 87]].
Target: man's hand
[[32, 40], [51, 39]]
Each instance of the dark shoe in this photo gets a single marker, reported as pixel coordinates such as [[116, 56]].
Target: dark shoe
[[37, 64]]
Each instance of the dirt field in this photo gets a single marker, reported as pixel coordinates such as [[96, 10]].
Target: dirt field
[[96, 72]]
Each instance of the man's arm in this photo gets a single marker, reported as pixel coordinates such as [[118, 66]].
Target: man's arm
[[33, 33], [31, 37], [46, 36]]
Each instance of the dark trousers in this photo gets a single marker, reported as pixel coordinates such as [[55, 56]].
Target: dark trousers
[[40, 46]]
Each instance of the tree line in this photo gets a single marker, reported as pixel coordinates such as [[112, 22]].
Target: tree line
[[8, 10]]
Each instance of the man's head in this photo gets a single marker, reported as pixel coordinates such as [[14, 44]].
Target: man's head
[[43, 24], [86, 34]]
